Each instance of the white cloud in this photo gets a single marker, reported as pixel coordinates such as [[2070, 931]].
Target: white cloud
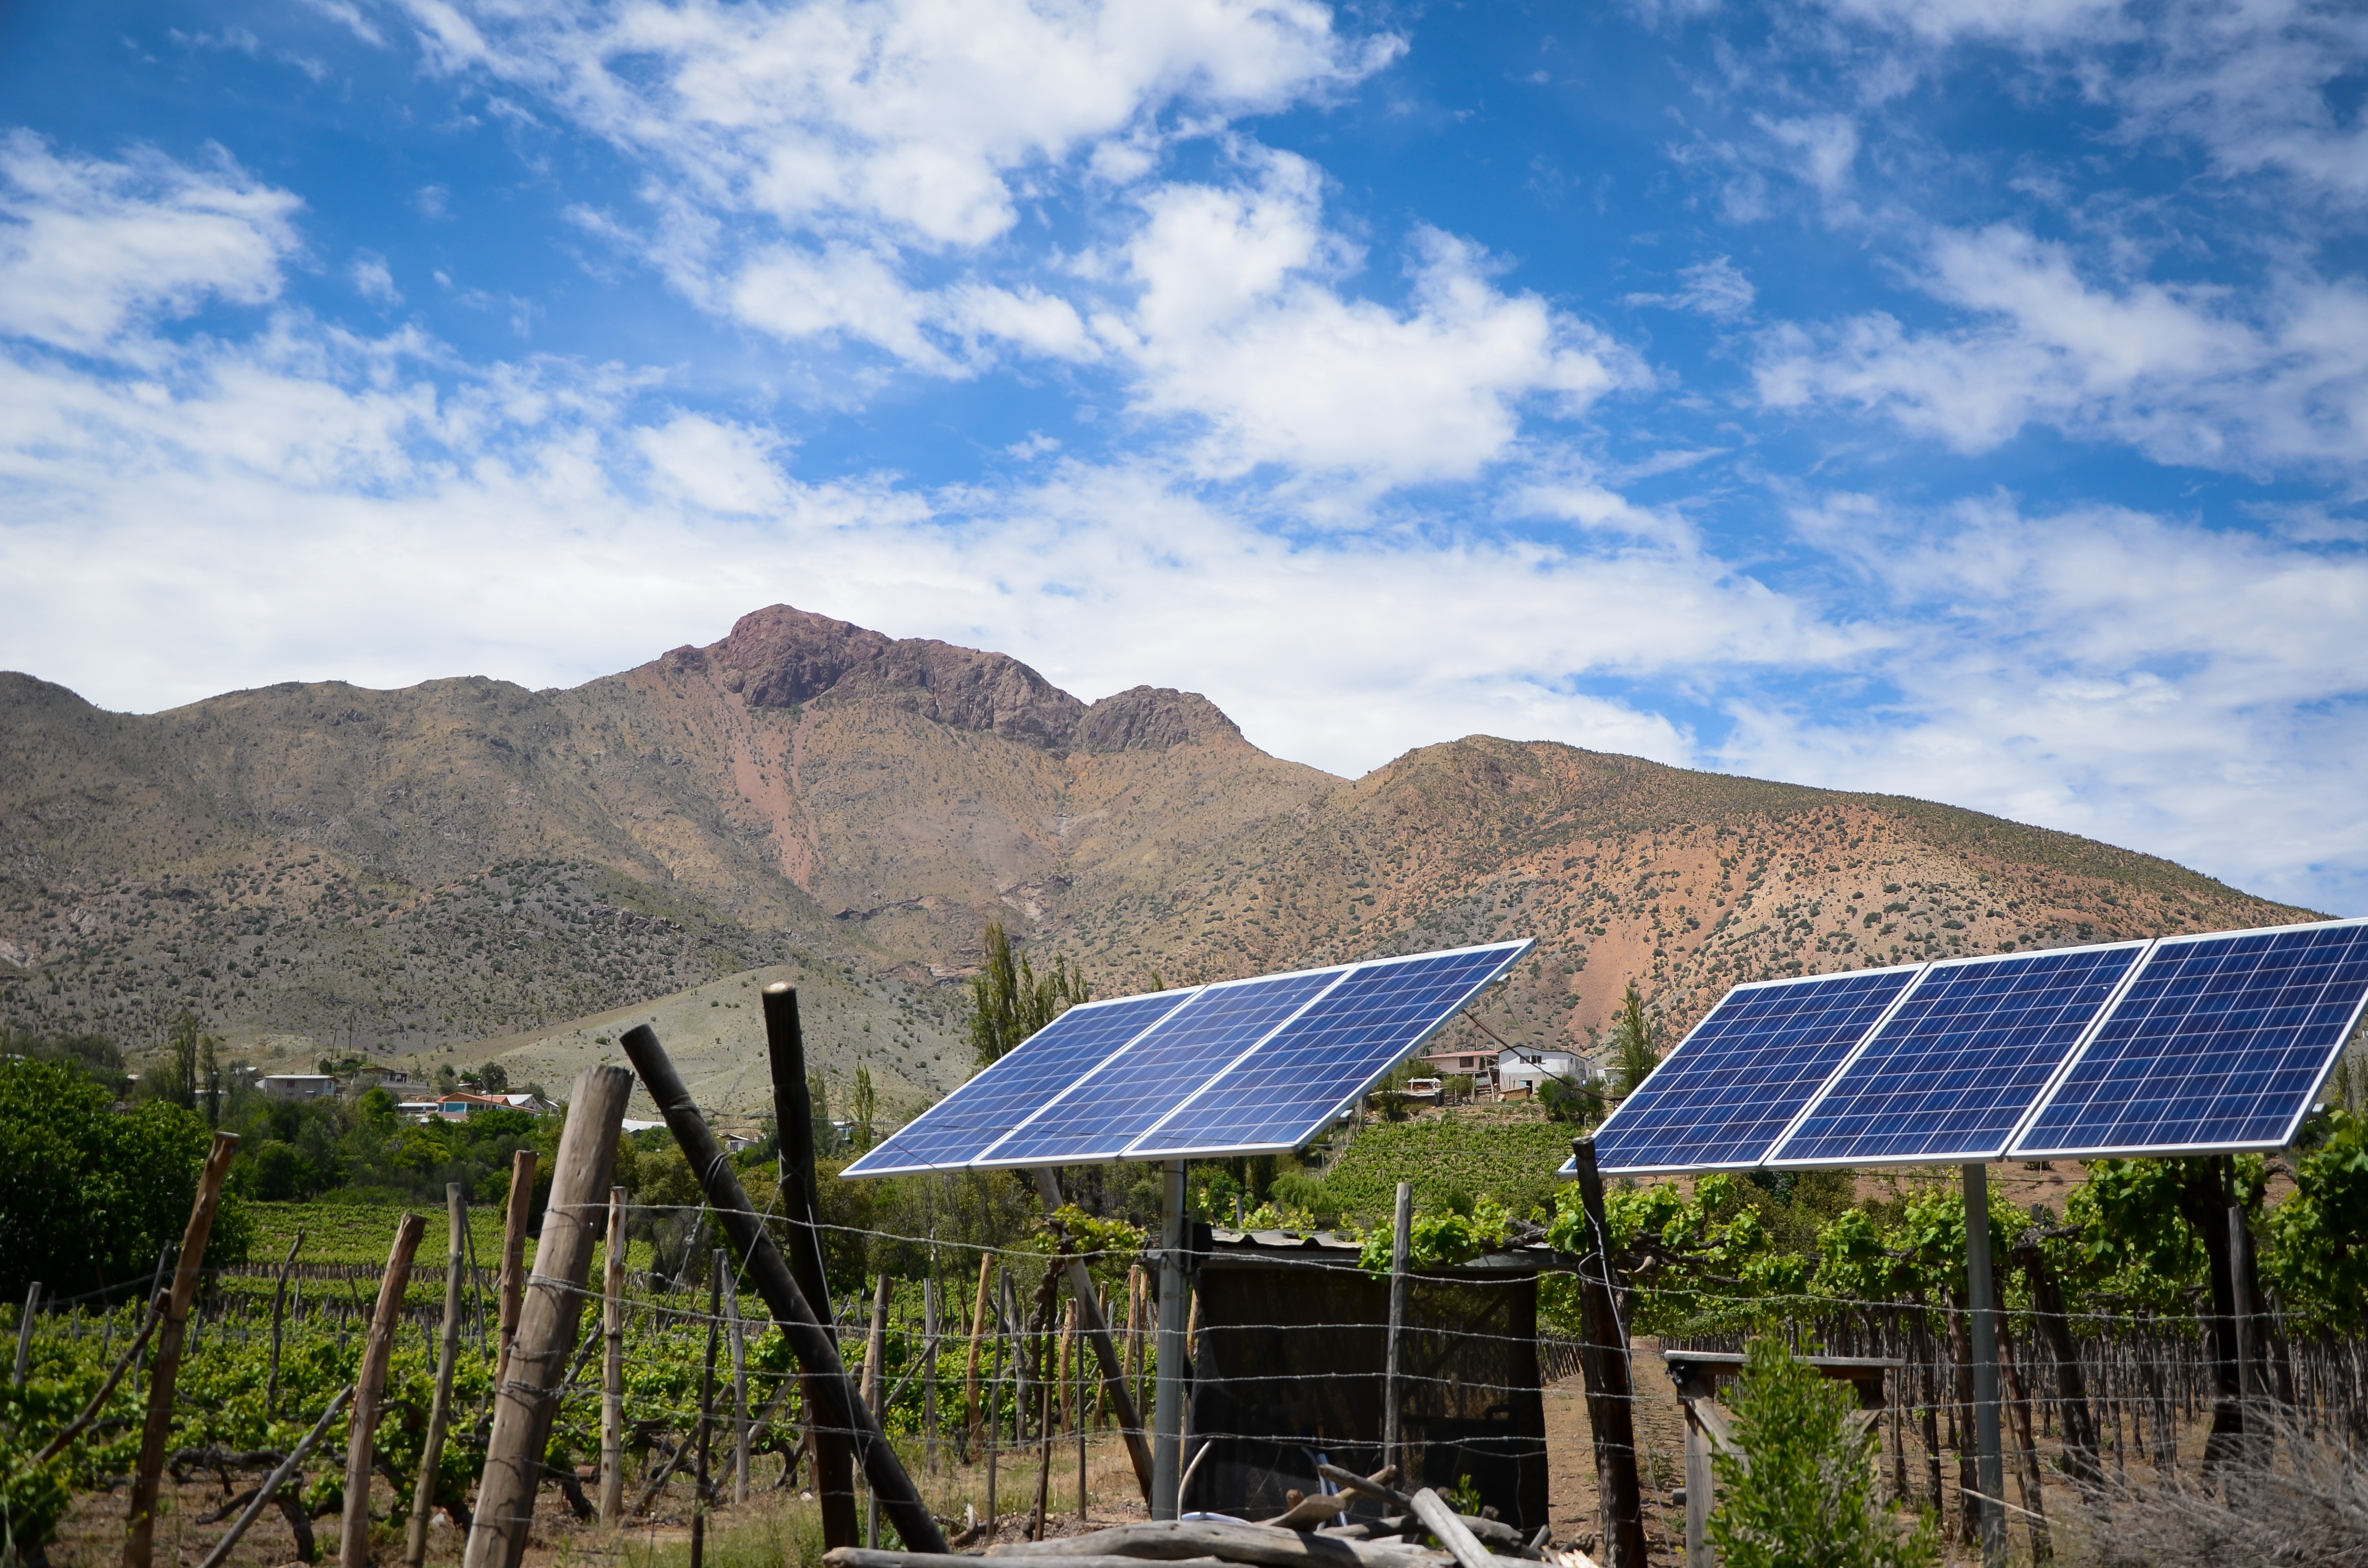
[[373, 281], [1237, 326], [911, 120], [1715, 288], [714, 465], [91, 251], [2138, 678], [2188, 373], [1823, 146], [2030, 23]]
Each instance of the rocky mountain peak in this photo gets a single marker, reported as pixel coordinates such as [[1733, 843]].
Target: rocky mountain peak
[[780, 656]]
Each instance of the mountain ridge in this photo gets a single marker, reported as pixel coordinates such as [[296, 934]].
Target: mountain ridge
[[319, 867]]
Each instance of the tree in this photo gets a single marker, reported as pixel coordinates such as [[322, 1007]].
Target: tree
[[1635, 1051], [1010, 1001], [88, 1197], [210, 1077], [174, 1080], [866, 1106], [1807, 1497]]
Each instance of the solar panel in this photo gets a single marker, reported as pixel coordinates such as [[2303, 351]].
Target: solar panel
[[1282, 1092], [963, 1125], [1723, 1097], [2220, 1043], [1949, 1075], [1130, 1092]]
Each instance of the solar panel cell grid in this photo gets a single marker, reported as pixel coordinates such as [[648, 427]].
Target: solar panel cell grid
[[1281, 1094], [1730, 1088], [2220, 1042], [959, 1128], [1123, 1102], [1952, 1073]]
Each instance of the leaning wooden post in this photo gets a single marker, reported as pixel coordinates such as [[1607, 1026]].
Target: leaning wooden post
[[1603, 1359], [362, 1436], [1081, 1290], [278, 1309], [528, 1398], [1392, 1376], [834, 1451], [875, 1387], [834, 1403], [140, 1519], [448, 1356], [612, 1370], [515, 1225]]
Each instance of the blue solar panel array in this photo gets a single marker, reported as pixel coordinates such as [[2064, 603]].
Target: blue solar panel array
[[2221, 1043], [1041, 1069], [1241, 1067], [1735, 1084], [1951, 1073], [1280, 1095]]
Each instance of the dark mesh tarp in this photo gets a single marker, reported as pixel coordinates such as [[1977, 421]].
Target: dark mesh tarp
[[1292, 1366]]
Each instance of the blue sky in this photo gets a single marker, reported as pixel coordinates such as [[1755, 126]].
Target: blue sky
[[1962, 398]]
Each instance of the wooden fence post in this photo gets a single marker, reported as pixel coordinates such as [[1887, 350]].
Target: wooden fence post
[[834, 1404], [140, 1519], [1603, 1359], [518, 1220], [834, 1451], [706, 1412], [612, 1368], [353, 1544], [440, 1413], [1081, 1290], [525, 1400], [977, 1327], [740, 1433], [278, 1309]]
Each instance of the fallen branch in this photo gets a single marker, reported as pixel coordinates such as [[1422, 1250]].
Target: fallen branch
[[1259, 1545], [278, 1479]]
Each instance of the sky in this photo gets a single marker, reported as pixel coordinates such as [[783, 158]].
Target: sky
[[1964, 399]]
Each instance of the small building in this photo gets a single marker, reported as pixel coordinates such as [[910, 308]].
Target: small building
[[458, 1105], [1480, 1066], [1519, 1072], [298, 1085]]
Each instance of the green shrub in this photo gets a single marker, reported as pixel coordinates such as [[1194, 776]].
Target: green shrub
[[1807, 1497]]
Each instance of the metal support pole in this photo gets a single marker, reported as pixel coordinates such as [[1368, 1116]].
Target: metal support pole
[[1167, 1400], [1393, 1392], [1981, 1294]]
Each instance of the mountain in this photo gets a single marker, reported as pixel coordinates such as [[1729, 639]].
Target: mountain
[[465, 865]]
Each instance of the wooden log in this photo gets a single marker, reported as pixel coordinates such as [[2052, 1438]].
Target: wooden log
[[1603, 1362], [515, 1223], [834, 1449], [140, 1532], [860, 1557], [1114, 1377], [612, 1368], [269, 1493], [361, 1436], [279, 1311], [1259, 1545], [1377, 1486], [1442, 1522], [440, 1411], [525, 1400], [834, 1404]]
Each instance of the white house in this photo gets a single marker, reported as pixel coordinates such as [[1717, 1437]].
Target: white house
[[1520, 1071], [300, 1085]]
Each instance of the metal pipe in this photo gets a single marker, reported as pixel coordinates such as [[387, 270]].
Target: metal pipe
[[1167, 1404], [1980, 1292]]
